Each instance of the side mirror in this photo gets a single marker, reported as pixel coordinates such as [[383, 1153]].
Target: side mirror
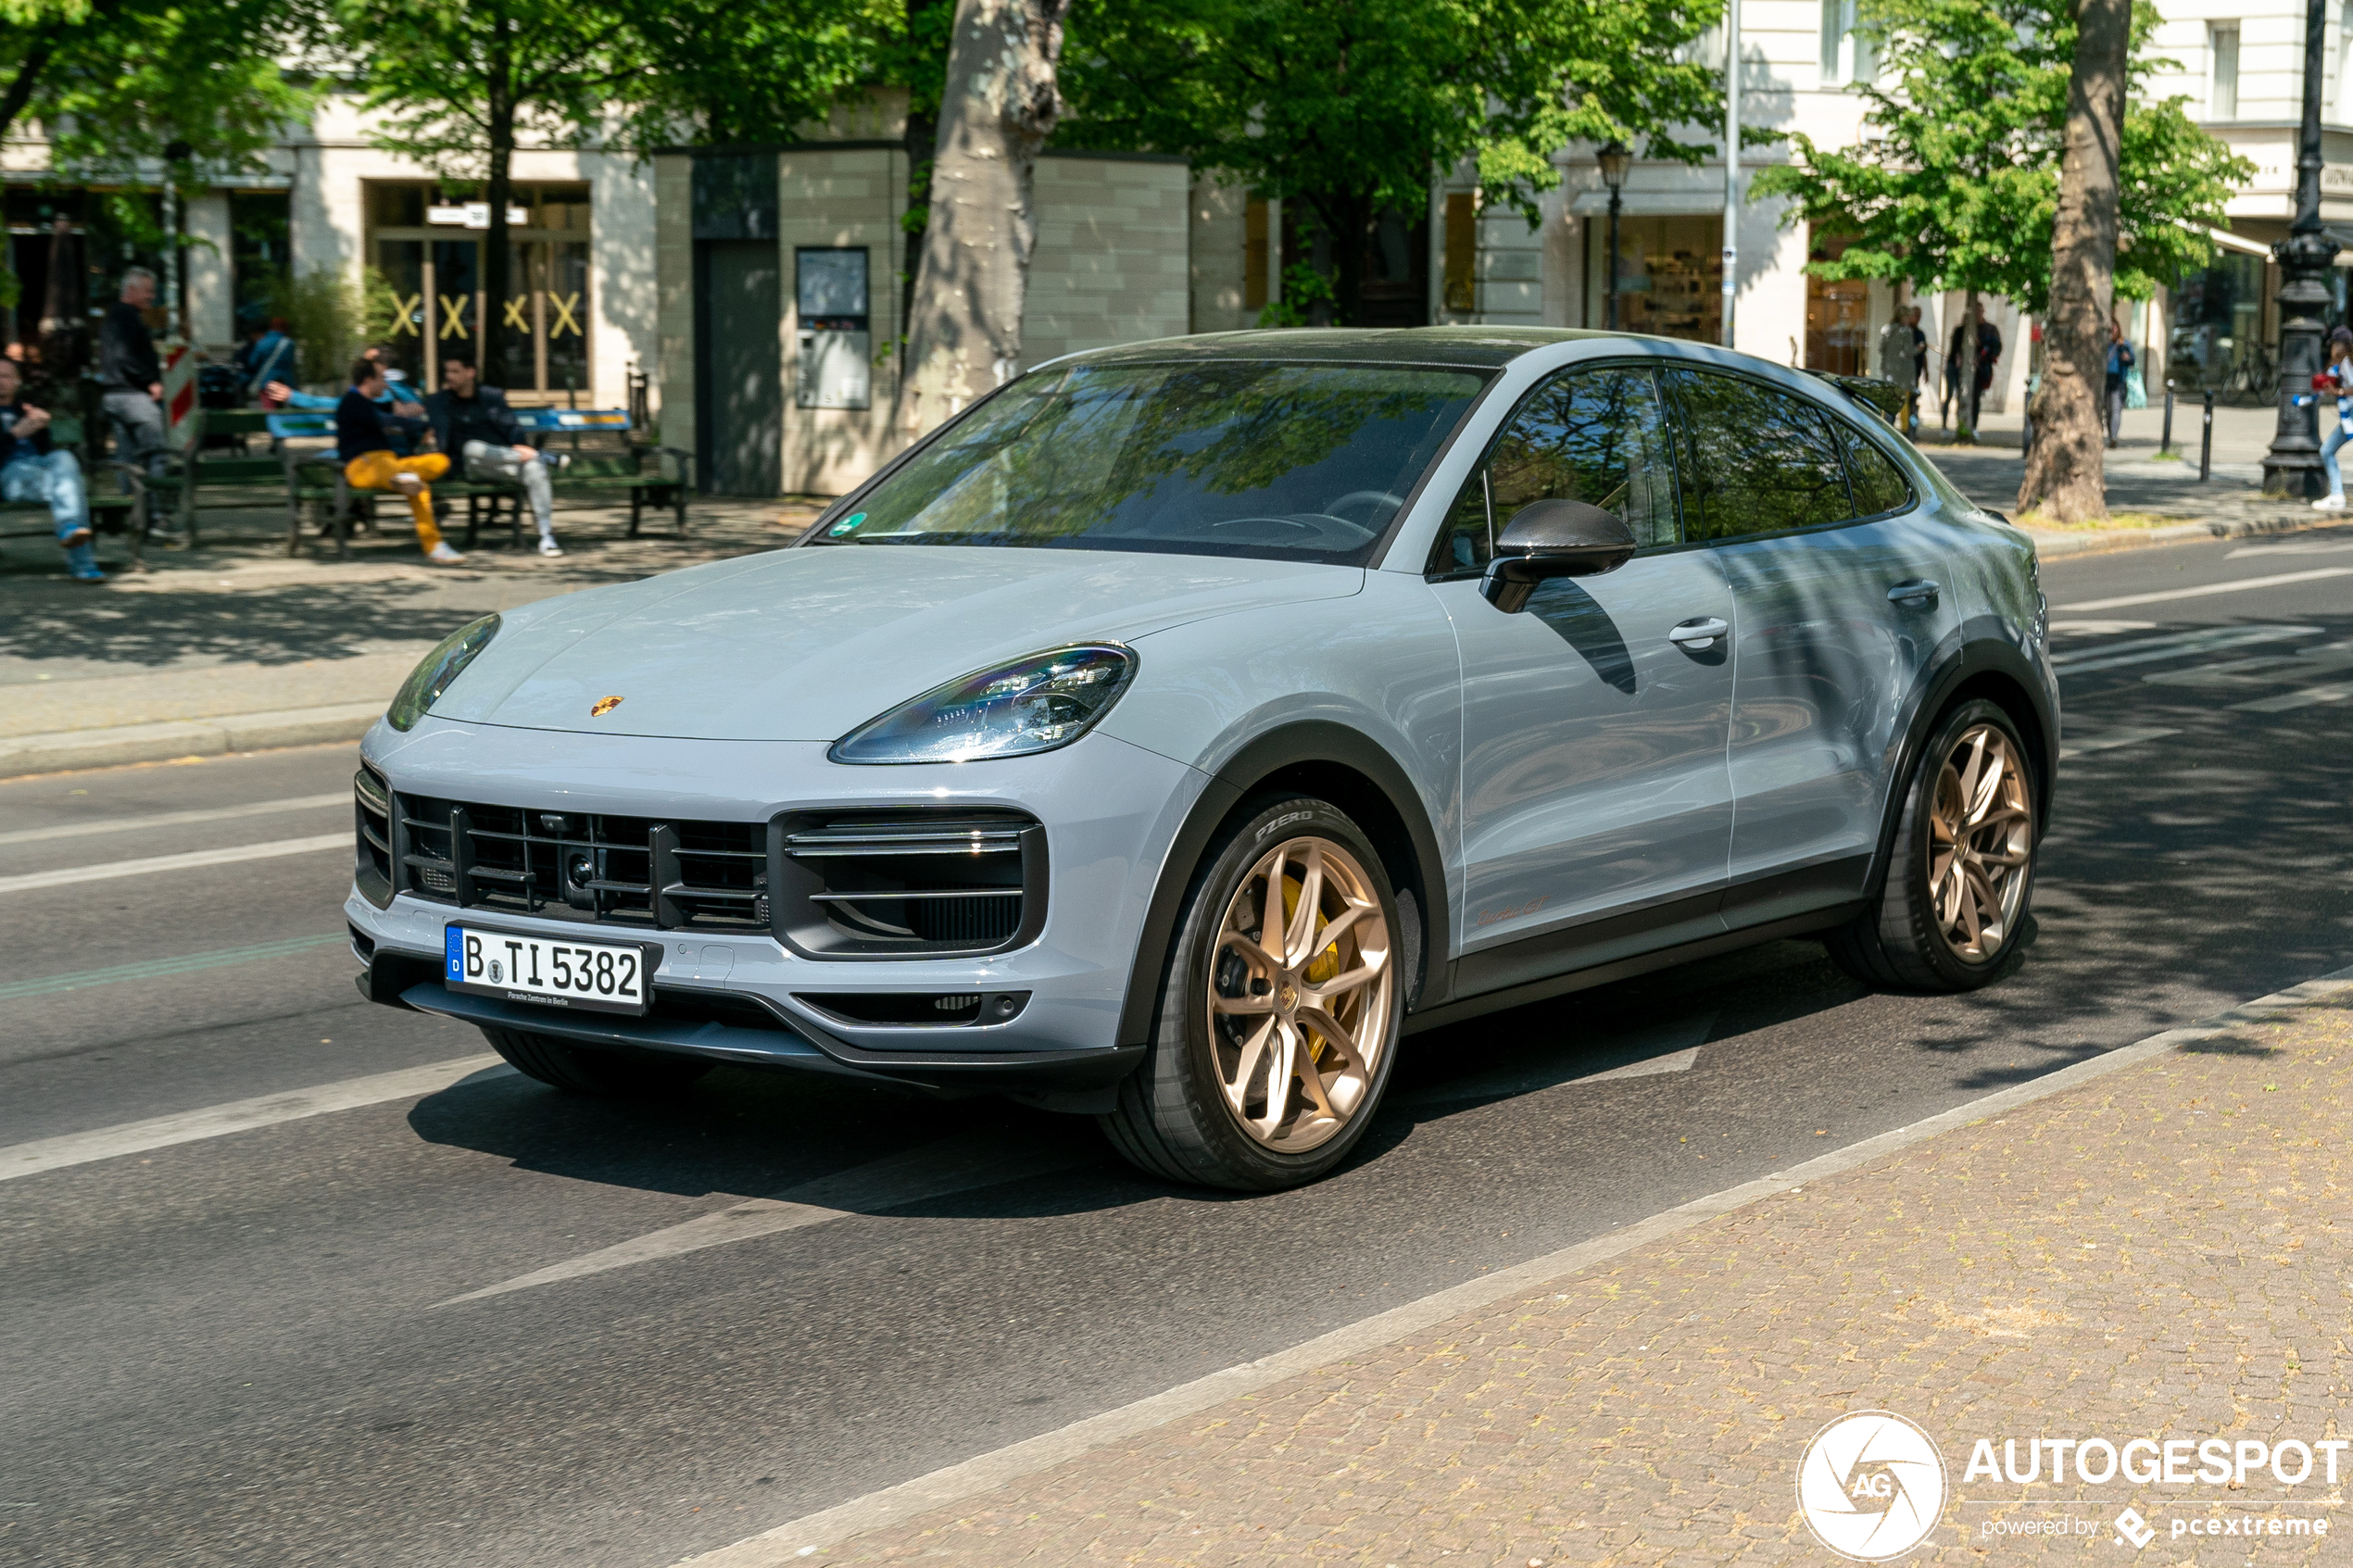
[[1548, 539]]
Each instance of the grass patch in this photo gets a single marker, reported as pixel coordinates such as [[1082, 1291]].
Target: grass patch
[[2169, 458]]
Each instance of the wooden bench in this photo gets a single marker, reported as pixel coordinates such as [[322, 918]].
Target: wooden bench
[[109, 513], [613, 463], [221, 467]]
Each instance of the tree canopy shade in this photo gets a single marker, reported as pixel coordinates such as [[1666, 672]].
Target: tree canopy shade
[[1346, 107]]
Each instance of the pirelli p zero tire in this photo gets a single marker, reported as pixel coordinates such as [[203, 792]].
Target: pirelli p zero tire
[[1279, 1008], [1953, 914], [583, 1070]]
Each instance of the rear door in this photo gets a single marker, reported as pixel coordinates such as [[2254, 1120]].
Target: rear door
[[1843, 599], [1594, 781]]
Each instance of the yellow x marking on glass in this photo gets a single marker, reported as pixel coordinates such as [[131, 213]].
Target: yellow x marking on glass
[[514, 312], [453, 315], [565, 321], [405, 313]]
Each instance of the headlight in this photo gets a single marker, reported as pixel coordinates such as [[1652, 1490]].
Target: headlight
[[1033, 704], [437, 669]]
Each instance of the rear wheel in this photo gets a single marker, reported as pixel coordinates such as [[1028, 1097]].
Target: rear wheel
[[584, 1070], [1952, 913], [1279, 1008]]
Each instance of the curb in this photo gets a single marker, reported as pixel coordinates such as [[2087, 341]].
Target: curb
[[2050, 542], [66, 749]]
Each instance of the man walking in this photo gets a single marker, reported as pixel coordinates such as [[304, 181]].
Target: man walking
[[473, 424], [1899, 360], [33, 468], [131, 375], [370, 463]]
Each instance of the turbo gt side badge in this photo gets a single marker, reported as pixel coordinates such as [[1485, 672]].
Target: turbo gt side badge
[[604, 705]]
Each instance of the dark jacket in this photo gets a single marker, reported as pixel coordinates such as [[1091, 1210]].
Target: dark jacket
[[483, 417], [360, 429], [12, 447], [126, 352]]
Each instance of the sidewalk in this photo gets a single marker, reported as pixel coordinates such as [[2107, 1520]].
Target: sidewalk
[[2155, 1254], [235, 647]]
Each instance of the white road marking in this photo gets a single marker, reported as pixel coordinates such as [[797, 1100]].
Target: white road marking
[[1672, 1046], [160, 863], [2307, 697], [188, 1126], [791, 1542], [2098, 628], [957, 1164], [175, 819], [2109, 740], [2270, 670], [2306, 548], [2174, 644], [2240, 587]]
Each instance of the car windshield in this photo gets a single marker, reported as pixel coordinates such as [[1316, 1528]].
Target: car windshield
[[1290, 461]]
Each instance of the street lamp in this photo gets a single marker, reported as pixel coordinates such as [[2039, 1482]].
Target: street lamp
[[2293, 465], [1615, 160]]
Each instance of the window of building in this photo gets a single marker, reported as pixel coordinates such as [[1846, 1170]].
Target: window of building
[[426, 290], [1837, 315], [1257, 255], [260, 263], [2343, 98], [1462, 251], [1670, 275], [2223, 73], [1847, 55]]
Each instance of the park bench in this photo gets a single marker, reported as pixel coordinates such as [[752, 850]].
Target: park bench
[[110, 512], [252, 479], [603, 461], [314, 479]]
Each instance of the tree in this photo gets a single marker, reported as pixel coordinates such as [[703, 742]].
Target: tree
[[999, 105], [1349, 107]]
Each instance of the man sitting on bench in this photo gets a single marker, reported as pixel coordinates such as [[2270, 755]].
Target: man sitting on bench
[[369, 462], [473, 424], [32, 467]]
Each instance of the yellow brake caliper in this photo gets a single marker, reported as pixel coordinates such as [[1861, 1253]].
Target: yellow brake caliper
[[1325, 963]]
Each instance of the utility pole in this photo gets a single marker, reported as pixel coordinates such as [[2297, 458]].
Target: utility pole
[[1732, 158]]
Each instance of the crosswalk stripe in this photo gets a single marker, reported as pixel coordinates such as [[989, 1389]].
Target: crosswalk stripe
[[157, 864], [155, 969], [2239, 586], [175, 819]]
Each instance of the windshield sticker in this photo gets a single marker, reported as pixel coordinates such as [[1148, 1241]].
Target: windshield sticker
[[846, 526]]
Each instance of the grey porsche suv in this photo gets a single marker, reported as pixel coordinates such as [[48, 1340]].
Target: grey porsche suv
[[1172, 733]]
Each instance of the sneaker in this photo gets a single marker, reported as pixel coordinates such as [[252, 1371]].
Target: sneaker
[[2329, 504], [442, 555], [547, 545]]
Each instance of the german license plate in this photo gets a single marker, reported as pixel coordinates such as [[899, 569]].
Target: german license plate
[[590, 976]]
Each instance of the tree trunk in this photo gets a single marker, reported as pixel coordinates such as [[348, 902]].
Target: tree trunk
[[921, 139], [1965, 384], [19, 92], [963, 334], [2064, 473], [496, 262]]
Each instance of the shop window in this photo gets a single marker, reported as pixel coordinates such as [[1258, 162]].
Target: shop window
[[1837, 316], [1257, 259], [1670, 275], [1462, 251], [260, 263], [431, 297]]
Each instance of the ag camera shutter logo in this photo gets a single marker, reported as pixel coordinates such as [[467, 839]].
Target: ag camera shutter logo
[[1871, 1485]]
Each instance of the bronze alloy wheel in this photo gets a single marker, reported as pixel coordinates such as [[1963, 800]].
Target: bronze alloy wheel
[[1298, 994], [1981, 844]]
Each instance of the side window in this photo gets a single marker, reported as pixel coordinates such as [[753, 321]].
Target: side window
[[1762, 461], [1467, 542], [1878, 486]]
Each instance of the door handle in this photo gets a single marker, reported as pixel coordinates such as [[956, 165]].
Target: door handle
[[1697, 635], [1919, 593]]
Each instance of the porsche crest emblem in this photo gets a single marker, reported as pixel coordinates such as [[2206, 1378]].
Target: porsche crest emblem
[[604, 705]]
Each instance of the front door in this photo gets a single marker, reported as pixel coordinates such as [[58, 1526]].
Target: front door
[[1596, 804], [743, 399]]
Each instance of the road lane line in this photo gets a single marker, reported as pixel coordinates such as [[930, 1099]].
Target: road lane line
[[160, 863], [2305, 698], [2174, 644], [786, 1543], [2098, 628], [2240, 587], [175, 819], [2316, 547], [957, 1164], [188, 1126], [2109, 740], [156, 968]]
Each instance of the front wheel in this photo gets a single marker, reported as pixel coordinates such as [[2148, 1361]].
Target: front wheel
[[1962, 869], [583, 1070], [1280, 1011]]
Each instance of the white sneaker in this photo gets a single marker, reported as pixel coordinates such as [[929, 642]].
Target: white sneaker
[[547, 545], [442, 555], [2329, 504]]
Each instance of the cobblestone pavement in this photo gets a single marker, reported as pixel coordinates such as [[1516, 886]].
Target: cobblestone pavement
[[2158, 1254]]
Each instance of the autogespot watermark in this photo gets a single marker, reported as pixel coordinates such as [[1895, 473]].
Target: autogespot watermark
[[1871, 1485]]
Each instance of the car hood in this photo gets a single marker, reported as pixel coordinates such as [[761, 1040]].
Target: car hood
[[808, 644]]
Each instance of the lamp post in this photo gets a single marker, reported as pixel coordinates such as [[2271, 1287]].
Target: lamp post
[[1615, 160], [2292, 467]]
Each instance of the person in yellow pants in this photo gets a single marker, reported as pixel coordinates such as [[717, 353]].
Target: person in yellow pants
[[370, 463]]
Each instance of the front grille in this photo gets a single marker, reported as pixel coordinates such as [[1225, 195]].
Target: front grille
[[586, 866], [909, 884], [372, 816]]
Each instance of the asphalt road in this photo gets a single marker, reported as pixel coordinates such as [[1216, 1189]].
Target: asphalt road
[[245, 1348]]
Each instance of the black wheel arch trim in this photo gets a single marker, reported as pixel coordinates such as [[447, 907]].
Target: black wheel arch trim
[[1291, 746]]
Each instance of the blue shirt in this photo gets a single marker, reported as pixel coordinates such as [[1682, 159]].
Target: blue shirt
[[401, 432]]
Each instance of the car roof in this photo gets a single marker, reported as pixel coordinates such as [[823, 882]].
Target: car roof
[[1485, 349]]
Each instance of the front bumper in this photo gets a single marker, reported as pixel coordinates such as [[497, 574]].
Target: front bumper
[[1109, 811]]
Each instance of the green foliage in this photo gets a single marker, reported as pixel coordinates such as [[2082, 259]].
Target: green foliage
[[326, 314], [1348, 107], [1303, 289], [1956, 184]]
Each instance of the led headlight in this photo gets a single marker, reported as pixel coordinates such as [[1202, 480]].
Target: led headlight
[[1033, 704], [437, 669]]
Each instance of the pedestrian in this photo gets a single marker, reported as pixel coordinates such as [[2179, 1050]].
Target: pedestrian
[[472, 426], [2337, 381], [2120, 360], [370, 463], [131, 376], [265, 358], [1899, 361], [1989, 350], [34, 468]]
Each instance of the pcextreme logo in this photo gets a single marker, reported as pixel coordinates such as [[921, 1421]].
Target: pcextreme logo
[[1871, 1485]]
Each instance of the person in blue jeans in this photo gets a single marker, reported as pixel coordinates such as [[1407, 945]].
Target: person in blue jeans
[[2336, 380], [33, 468]]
